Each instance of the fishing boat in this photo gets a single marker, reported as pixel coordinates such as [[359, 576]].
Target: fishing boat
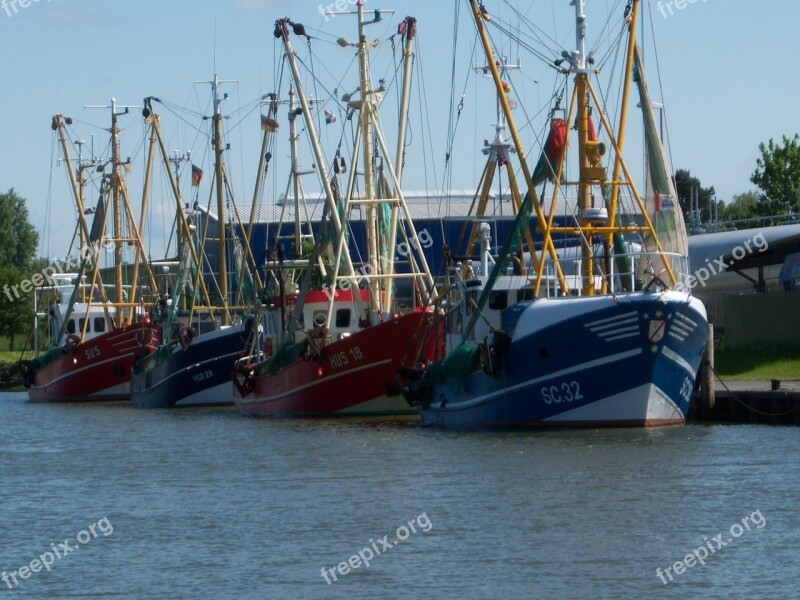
[[612, 337], [97, 330], [335, 349], [200, 344]]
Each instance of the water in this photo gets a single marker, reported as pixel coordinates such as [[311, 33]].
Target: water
[[209, 504]]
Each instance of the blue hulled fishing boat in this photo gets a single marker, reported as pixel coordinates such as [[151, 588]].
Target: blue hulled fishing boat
[[612, 336]]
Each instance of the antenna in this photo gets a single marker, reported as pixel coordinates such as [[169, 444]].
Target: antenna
[[176, 159]]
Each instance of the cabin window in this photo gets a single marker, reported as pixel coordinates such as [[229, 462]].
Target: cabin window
[[99, 324], [343, 318], [498, 300], [81, 324], [71, 326], [524, 294]]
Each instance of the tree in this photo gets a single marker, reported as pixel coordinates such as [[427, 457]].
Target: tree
[[684, 183], [19, 238], [742, 206], [15, 307], [777, 174]]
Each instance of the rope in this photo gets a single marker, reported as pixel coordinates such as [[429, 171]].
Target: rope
[[747, 406]]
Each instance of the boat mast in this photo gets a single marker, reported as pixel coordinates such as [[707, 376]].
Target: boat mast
[[220, 192], [116, 182], [409, 26], [480, 15], [366, 123], [297, 186], [183, 228], [116, 188], [623, 121], [578, 60], [282, 31], [75, 182]]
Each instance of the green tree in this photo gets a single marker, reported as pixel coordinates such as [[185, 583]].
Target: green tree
[[19, 237], [15, 312], [777, 175], [742, 206], [684, 183]]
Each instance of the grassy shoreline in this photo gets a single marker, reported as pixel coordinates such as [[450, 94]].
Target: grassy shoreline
[[757, 362]]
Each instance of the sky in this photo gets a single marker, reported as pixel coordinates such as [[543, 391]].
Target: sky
[[725, 67]]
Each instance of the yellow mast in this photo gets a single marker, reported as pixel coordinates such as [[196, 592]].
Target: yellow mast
[[221, 218], [480, 14], [623, 121]]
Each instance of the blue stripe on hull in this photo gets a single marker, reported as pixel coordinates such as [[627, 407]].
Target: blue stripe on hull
[[187, 377], [597, 368]]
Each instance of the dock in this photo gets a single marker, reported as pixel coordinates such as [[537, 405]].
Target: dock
[[772, 402]]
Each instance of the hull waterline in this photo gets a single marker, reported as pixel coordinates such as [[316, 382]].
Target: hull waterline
[[593, 362], [198, 375], [98, 370], [356, 376]]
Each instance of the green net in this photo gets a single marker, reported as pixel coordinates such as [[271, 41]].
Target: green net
[[48, 357], [454, 370], [287, 353]]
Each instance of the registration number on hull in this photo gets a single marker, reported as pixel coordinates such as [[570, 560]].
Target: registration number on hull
[[344, 358], [565, 392]]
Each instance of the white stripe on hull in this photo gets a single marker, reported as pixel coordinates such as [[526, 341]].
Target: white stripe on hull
[[218, 395], [646, 403]]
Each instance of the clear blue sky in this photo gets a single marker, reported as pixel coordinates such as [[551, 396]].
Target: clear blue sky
[[726, 68]]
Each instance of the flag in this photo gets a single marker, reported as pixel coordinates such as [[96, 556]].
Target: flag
[[329, 117], [268, 124], [197, 175]]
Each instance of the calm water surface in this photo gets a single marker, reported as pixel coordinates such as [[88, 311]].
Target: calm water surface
[[210, 504]]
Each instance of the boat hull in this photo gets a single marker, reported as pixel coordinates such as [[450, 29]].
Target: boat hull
[[94, 371], [582, 362], [199, 375], [356, 376]]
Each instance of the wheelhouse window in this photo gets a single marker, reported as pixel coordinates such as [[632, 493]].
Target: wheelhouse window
[[343, 318], [524, 294], [99, 324], [498, 300], [71, 326]]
